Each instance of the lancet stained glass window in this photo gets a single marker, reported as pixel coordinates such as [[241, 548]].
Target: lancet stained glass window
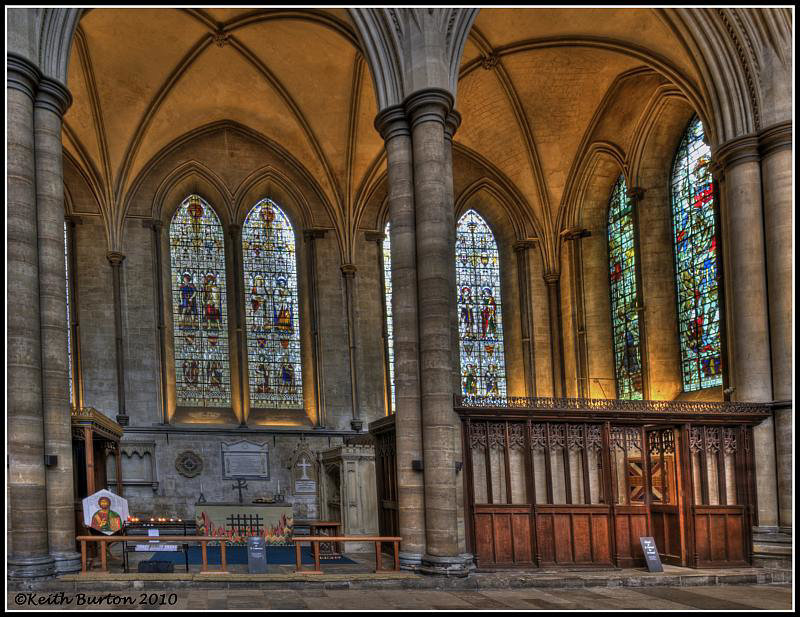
[[695, 243], [69, 316], [199, 306], [272, 309], [480, 323], [622, 274], [387, 285]]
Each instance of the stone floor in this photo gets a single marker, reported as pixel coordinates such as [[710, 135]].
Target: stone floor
[[738, 597]]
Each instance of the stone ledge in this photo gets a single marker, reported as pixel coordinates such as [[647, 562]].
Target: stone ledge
[[546, 579]]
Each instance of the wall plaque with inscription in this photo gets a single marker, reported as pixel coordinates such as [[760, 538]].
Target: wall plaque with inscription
[[245, 459]]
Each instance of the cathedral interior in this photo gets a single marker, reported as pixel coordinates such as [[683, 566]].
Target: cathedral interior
[[514, 285]]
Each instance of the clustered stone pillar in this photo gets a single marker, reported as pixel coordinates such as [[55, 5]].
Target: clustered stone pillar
[[349, 274], [29, 554], [746, 295], [427, 111], [775, 146], [394, 128], [526, 324], [52, 101], [552, 280], [116, 259]]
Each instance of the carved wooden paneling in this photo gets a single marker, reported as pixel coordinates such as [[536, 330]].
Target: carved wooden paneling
[[573, 535], [720, 536], [503, 536]]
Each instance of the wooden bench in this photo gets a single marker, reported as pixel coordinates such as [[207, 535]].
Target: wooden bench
[[315, 542], [108, 540]]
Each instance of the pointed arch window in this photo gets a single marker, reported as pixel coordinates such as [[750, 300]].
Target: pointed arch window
[[695, 248], [624, 306], [271, 308], [199, 306], [387, 298], [480, 323]]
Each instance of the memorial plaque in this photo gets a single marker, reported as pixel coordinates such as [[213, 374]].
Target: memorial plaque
[[245, 459], [651, 555]]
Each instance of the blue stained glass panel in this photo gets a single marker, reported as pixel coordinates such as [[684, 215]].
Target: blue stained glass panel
[[199, 306], [480, 322], [272, 308], [695, 243], [622, 275]]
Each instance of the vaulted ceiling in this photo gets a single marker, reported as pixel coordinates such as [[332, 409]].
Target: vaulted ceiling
[[537, 87]]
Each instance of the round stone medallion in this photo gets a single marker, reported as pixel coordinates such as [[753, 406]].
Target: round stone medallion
[[188, 464]]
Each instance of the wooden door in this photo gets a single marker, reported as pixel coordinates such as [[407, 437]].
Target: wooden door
[[664, 490]]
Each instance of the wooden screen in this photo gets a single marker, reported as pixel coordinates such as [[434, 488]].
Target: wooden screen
[[582, 490]]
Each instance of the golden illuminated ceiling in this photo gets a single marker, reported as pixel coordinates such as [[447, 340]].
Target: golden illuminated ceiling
[[537, 87]]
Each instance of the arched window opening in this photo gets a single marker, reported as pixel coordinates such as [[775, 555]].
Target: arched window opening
[[387, 287], [199, 306], [272, 308], [480, 323], [624, 306], [695, 244]]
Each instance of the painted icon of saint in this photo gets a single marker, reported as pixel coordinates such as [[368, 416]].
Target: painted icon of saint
[[105, 519]]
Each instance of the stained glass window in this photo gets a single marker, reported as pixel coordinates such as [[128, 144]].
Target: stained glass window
[[199, 306], [622, 274], [387, 284], [69, 317], [272, 309], [480, 323], [695, 245]]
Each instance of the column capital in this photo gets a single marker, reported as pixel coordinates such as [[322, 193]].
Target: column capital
[[524, 245], [22, 74], [392, 122], [740, 150], [115, 258], [636, 193], [551, 278], [53, 95], [374, 236], [451, 124], [774, 138], [428, 105], [348, 270], [573, 233], [314, 233]]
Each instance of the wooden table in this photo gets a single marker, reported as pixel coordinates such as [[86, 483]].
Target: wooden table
[[105, 541]]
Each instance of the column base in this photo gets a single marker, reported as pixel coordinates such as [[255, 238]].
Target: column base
[[66, 562], [410, 561], [445, 566], [30, 567], [772, 548]]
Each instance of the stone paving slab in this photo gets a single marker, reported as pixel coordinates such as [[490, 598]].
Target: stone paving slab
[[738, 597]]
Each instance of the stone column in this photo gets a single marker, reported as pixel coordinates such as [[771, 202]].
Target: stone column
[[156, 226], [746, 296], [52, 101], [75, 327], [116, 259], [775, 145], [427, 110], [552, 280], [394, 128], [526, 324], [349, 274], [29, 552], [310, 236], [237, 321]]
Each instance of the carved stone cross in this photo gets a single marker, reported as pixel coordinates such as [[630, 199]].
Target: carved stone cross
[[240, 484], [304, 465]]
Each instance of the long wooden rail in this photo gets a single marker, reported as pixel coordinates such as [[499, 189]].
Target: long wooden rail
[[108, 540], [315, 541]]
